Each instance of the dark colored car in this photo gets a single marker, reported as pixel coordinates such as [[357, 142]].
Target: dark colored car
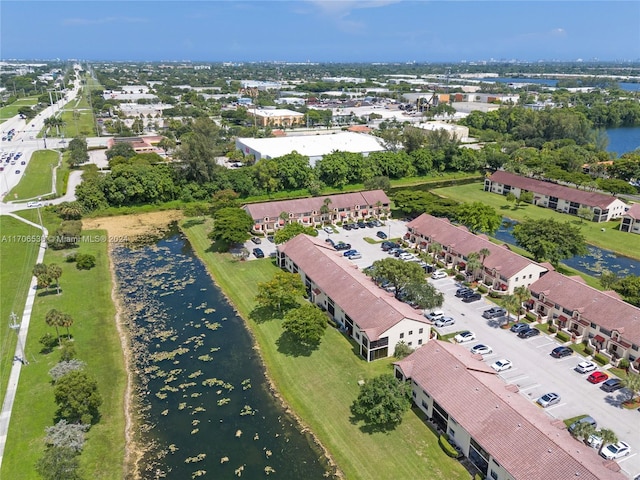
[[256, 240], [347, 226], [330, 242], [461, 292], [370, 224], [561, 352], [362, 225], [494, 312], [519, 327], [587, 419], [381, 235], [342, 246], [258, 253], [529, 332], [612, 385], [474, 297], [270, 238]]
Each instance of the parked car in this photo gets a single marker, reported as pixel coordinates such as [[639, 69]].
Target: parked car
[[519, 327], [465, 336], [361, 224], [444, 322], [548, 400], [561, 352], [349, 253], [597, 377], [612, 385], [330, 242], [495, 312], [528, 333], [502, 365], [34, 204], [587, 419], [461, 292], [370, 224], [614, 451], [328, 229], [355, 256], [258, 253], [406, 256], [594, 441], [585, 367], [386, 246], [474, 297], [17, 172], [438, 274], [256, 240], [381, 234], [481, 349], [342, 246], [347, 226], [434, 315]]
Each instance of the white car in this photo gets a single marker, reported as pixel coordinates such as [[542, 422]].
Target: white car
[[615, 450], [355, 256], [438, 274], [406, 256], [328, 229], [585, 367], [435, 315], [465, 336], [481, 349], [502, 365], [444, 322]]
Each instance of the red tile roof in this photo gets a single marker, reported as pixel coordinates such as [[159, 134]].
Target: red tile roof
[[595, 306], [634, 211], [516, 433], [259, 211], [370, 307], [503, 260], [592, 199]]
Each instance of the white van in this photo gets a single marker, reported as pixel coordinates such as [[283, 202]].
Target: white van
[[34, 204]]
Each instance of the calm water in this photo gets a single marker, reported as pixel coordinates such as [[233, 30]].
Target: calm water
[[206, 405], [630, 87], [593, 263], [623, 140]]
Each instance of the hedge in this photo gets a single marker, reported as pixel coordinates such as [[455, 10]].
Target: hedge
[[562, 336], [601, 359], [482, 289], [446, 446], [531, 317]]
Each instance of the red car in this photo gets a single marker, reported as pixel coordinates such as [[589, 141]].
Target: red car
[[597, 377]]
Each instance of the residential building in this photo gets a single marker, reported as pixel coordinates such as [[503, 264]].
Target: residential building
[[502, 270], [558, 197], [313, 146], [631, 219], [608, 324], [369, 315], [276, 117], [315, 211], [499, 430]]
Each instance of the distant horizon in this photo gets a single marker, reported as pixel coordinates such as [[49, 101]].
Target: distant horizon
[[323, 31]]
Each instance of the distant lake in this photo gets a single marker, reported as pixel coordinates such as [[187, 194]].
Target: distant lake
[[623, 140], [631, 87]]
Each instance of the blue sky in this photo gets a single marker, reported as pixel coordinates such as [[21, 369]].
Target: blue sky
[[320, 30]]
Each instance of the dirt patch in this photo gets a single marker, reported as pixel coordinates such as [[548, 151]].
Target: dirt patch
[[133, 227]]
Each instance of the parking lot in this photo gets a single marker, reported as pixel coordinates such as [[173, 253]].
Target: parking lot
[[534, 371]]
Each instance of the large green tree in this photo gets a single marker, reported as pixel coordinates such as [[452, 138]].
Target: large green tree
[[291, 230], [424, 295], [549, 240], [78, 153], [59, 463], [478, 217], [231, 225], [382, 401], [281, 292], [398, 273], [307, 323], [77, 397]]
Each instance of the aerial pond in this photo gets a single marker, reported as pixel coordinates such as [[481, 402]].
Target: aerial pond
[[205, 407]]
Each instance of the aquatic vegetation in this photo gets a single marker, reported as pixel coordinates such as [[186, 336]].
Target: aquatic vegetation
[[198, 458], [182, 405], [224, 459], [223, 401], [164, 412], [173, 448], [198, 473], [205, 358], [212, 325], [194, 431], [159, 356], [239, 471], [161, 396], [247, 410], [198, 410], [256, 437], [195, 374], [269, 470], [246, 384], [238, 433]]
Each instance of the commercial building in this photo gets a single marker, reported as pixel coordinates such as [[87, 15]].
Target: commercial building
[[631, 219], [501, 432], [312, 146], [276, 117], [608, 324], [502, 270], [315, 211], [558, 197], [369, 315]]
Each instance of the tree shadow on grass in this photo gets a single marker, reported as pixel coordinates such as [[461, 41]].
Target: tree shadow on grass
[[291, 346], [263, 314], [192, 222], [371, 428], [46, 293]]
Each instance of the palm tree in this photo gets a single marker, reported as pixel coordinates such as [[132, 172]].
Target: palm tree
[[284, 216], [53, 320], [583, 430], [66, 321], [522, 294], [55, 272], [632, 383], [484, 253], [324, 209], [434, 248], [607, 436], [473, 263], [512, 304]]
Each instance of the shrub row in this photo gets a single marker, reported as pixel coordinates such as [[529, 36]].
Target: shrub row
[[447, 447]]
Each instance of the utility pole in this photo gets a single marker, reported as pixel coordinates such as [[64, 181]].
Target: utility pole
[[14, 325]]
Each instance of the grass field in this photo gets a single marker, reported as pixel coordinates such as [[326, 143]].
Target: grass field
[[12, 110], [18, 254], [37, 178], [320, 387], [611, 238], [97, 343]]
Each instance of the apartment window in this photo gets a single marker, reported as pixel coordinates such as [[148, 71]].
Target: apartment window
[[605, 332], [494, 475], [593, 325], [516, 279], [426, 394], [421, 330], [409, 343], [410, 332], [413, 394], [452, 434], [531, 275], [419, 341], [402, 335]]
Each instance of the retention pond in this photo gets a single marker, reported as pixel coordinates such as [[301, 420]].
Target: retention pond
[[206, 407]]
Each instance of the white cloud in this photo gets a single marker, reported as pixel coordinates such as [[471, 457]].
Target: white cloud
[[338, 11]]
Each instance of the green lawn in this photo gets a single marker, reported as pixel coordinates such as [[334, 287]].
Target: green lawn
[[18, 252], [37, 178], [10, 111], [611, 238], [86, 295], [77, 122], [320, 387]]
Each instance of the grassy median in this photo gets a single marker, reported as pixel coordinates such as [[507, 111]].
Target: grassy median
[[604, 235], [86, 295], [37, 180], [320, 387]]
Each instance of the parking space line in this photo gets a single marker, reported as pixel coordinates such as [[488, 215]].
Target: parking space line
[[626, 458], [544, 344], [533, 385], [554, 406]]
